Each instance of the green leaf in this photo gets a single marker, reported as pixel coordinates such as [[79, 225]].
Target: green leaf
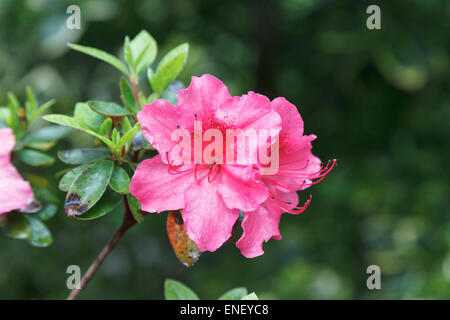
[[106, 127], [47, 134], [74, 123], [115, 136], [120, 181], [30, 104], [88, 188], [251, 296], [85, 115], [169, 68], [108, 109], [67, 180], [41, 110], [109, 201], [13, 106], [127, 54], [234, 294], [135, 208], [17, 226], [35, 158], [128, 137], [126, 125], [102, 55], [143, 49], [81, 156], [40, 235], [47, 212], [127, 96], [174, 290]]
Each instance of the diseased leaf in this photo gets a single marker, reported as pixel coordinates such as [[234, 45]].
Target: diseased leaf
[[175, 290], [81, 156], [109, 201], [102, 55], [67, 180], [88, 188], [35, 158], [185, 249], [108, 108], [120, 181]]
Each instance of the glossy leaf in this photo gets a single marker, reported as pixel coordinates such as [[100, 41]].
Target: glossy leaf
[[40, 235], [128, 137], [35, 158], [120, 181], [109, 201], [143, 49], [67, 180], [102, 55], [185, 249], [169, 68], [128, 96], [88, 188], [105, 129], [81, 156], [88, 117], [46, 134], [47, 212], [74, 123], [174, 290], [108, 108], [135, 208]]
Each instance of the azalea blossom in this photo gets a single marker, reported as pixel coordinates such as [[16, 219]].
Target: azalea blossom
[[298, 170], [15, 193], [212, 193]]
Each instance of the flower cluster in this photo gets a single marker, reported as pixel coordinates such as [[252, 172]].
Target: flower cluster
[[213, 194]]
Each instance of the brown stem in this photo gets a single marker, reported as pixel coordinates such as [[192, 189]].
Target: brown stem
[[128, 222]]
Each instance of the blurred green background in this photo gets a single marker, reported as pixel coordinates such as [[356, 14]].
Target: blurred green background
[[377, 100]]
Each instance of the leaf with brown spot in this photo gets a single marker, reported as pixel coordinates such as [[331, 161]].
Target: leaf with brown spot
[[185, 249], [88, 187]]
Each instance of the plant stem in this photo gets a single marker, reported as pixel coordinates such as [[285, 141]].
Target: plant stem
[[128, 222]]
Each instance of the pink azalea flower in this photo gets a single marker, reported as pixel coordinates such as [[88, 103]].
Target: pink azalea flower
[[298, 170], [211, 196], [15, 193]]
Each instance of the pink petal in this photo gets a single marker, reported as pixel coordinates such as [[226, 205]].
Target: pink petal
[[7, 142], [200, 100], [207, 219], [240, 188], [292, 122], [252, 110], [263, 224], [158, 190], [158, 120], [15, 193]]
